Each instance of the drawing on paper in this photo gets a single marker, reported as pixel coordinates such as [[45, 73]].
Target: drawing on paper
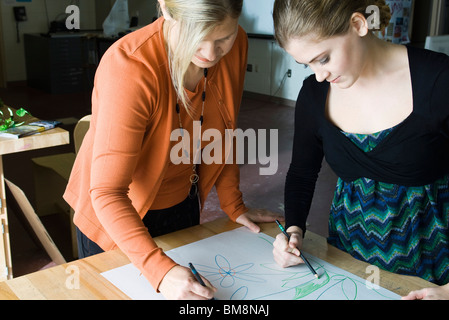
[[227, 274], [293, 284], [240, 265], [329, 285]]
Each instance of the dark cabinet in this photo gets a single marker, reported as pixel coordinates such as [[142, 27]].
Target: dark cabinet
[[57, 64]]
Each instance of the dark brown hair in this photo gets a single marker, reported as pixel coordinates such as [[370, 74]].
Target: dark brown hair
[[322, 18]]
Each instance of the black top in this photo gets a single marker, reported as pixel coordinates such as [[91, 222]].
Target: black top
[[415, 153]]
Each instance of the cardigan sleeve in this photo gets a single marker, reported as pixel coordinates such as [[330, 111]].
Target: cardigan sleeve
[[123, 109], [306, 161]]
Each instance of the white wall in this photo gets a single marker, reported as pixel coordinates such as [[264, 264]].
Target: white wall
[[40, 15], [257, 16], [144, 9], [37, 22], [270, 64]]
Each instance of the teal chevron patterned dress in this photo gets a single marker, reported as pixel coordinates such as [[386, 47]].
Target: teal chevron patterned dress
[[399, 229]]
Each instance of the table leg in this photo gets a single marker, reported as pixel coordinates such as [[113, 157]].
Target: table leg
[[5, 249]]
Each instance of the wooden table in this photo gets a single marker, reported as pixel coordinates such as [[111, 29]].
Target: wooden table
[[50, 138], [60, 282]]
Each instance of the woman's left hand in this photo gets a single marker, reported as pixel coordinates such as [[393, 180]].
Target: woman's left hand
[[437, 293], [249, 218]]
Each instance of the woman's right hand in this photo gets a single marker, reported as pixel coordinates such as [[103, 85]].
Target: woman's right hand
[[180, 284], [286, 253]]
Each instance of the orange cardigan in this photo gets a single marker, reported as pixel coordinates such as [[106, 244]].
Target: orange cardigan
[[125, 153]]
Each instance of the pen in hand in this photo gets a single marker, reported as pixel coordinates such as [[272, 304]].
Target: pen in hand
[[300, 254], [197, 276]]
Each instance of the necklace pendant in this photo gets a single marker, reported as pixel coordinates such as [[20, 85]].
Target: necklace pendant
[[194, 178]]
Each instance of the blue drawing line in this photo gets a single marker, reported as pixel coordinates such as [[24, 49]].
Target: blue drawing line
[[240, 293], [227, 274]]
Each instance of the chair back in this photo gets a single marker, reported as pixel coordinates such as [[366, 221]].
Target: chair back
[[80, 131]]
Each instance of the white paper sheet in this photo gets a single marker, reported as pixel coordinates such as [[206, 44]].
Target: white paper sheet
[[240, 265]]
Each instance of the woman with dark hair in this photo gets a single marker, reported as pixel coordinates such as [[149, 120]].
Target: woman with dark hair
[[379, 113]]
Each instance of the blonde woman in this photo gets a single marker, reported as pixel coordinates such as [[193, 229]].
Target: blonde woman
[[187, 66], [379, 113]]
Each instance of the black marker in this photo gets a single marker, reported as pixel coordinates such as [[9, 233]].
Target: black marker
[[300, 255]]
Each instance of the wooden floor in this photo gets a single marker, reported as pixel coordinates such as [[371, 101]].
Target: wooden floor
[[257, 112]]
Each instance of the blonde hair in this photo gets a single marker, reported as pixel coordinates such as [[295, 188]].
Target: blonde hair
[[195, 19], [322, 18]]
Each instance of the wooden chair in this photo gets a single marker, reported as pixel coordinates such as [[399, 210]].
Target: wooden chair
[[53, 172], [80, 131]]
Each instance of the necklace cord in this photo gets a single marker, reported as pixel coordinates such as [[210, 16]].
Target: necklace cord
[[194, 177]]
